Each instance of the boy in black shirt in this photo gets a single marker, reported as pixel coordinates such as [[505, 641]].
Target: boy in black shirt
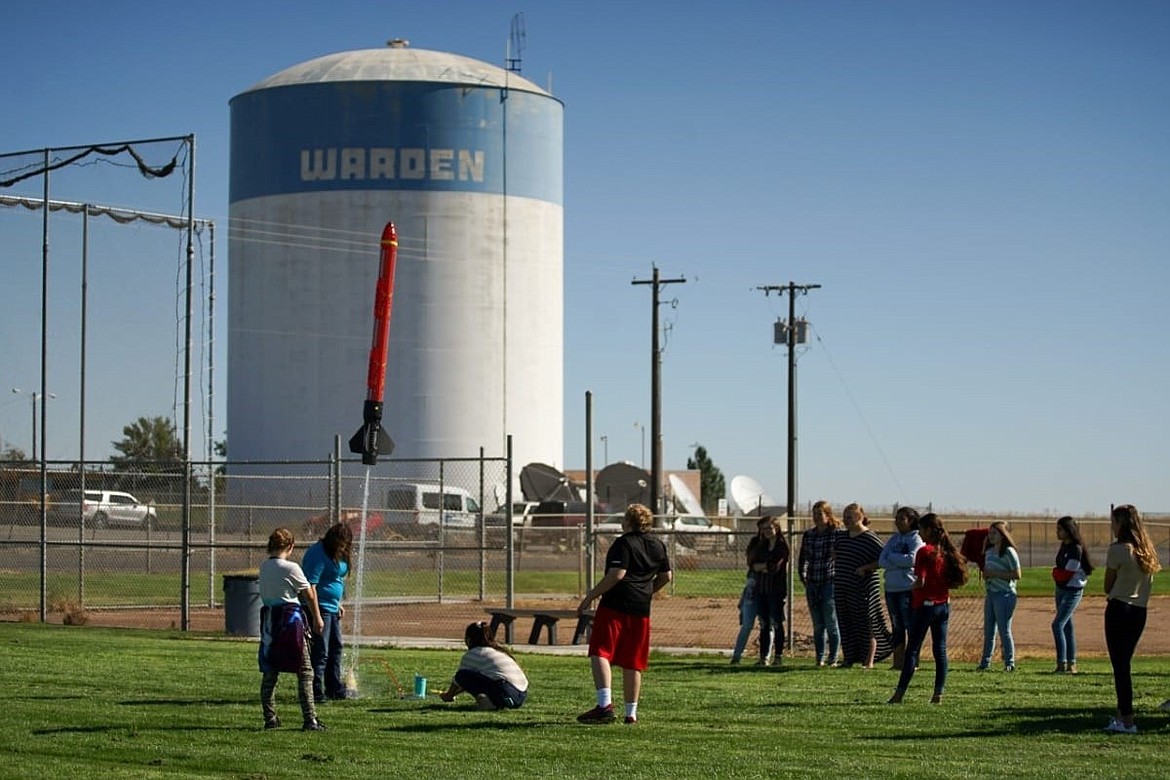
[[636, 567]]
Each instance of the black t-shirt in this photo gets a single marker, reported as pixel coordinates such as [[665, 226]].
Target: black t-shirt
[[643, 556]]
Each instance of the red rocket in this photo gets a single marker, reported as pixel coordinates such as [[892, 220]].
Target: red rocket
[[371, 440]]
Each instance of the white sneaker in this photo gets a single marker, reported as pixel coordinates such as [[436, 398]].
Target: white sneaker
[[1117, 727]]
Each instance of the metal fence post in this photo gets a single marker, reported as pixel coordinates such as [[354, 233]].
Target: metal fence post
[[483, 533], [510, 544]]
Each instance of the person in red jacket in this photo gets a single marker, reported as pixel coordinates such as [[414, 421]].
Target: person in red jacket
[[938, 567]]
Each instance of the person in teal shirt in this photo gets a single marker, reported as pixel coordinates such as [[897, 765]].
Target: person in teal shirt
[[326, 565], [1001, 571]]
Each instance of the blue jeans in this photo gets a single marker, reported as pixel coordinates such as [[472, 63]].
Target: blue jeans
[[1067, 600], [935, 619], [502, 693], [901, 615], [748, 612], [998, 609], [326, 654], [823, 609]]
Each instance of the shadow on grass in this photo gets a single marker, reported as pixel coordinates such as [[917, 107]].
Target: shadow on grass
[[130, 729], [720, 666], [491, 720], [1035, 721], [42, 697], [183, 702]]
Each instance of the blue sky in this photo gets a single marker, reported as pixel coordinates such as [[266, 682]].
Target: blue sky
[[981, 188]]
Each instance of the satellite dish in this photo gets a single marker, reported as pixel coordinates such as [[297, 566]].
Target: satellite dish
[[541, 482], [620, 484], [683, 496], [748, 498]]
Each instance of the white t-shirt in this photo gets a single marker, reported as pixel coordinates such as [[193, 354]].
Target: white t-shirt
[[494, 665], [280, 581]]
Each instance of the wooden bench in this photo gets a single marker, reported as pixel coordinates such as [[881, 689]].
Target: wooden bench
[[541, 619]]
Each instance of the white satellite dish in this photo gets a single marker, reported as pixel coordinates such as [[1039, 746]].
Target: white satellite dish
[[684, 496], [748, 497]]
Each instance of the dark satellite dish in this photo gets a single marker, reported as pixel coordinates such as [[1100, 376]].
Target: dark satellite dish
[[541, 482], [621, 484]]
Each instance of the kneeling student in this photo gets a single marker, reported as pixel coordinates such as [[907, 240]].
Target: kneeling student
[[488, 672]]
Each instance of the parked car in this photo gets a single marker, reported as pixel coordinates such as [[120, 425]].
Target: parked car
[[612, 525], [421, 504], [316, 526], [521, 514], [559, 523], [698, 532], [101, 508]]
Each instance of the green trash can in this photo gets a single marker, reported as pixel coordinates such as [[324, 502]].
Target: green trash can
[[241, 604]]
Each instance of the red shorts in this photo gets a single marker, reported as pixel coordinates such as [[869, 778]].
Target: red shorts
[[621, 638]]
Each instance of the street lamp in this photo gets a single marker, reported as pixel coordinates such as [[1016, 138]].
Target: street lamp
[[35, 397], [642, 428]]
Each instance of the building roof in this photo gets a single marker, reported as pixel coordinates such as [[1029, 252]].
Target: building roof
[[398, 62]]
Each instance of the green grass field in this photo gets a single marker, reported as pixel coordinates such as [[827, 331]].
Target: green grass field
[[89, 702]]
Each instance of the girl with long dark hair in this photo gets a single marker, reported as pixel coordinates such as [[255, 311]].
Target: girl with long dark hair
[[1070, 574], [938, 567], [326, 565], [488, 672]]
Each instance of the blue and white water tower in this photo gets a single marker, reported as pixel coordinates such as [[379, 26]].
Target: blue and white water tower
[[467, 159]]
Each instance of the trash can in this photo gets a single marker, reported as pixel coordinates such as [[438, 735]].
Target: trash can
[[241, 604]]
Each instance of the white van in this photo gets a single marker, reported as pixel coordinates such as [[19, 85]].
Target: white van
[[424, 504]]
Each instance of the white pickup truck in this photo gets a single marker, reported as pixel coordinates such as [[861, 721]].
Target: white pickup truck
[[101, 508]]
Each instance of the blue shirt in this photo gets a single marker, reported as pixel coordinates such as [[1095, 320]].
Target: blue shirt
[[897, 559], [328, 575], [1001, 563]]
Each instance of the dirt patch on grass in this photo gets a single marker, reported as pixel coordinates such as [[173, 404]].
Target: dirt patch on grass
[[709, 623]]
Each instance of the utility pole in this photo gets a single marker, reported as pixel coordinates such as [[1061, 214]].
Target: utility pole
[[656, 390], [793, 333]]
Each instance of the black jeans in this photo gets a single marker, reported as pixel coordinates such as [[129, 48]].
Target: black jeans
[[1124, 624]]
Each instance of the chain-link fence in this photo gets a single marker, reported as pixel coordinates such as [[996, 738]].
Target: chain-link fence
[[432, 555]]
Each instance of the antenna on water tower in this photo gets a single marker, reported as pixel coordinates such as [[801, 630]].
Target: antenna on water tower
[[516, 40]]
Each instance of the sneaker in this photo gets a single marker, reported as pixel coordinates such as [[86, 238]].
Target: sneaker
[[1165, 706], [313, 725], [598, 715], [1117, 727], [630, 720], [982, 667], [272, 723], [483, 702], [1009, 667]]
